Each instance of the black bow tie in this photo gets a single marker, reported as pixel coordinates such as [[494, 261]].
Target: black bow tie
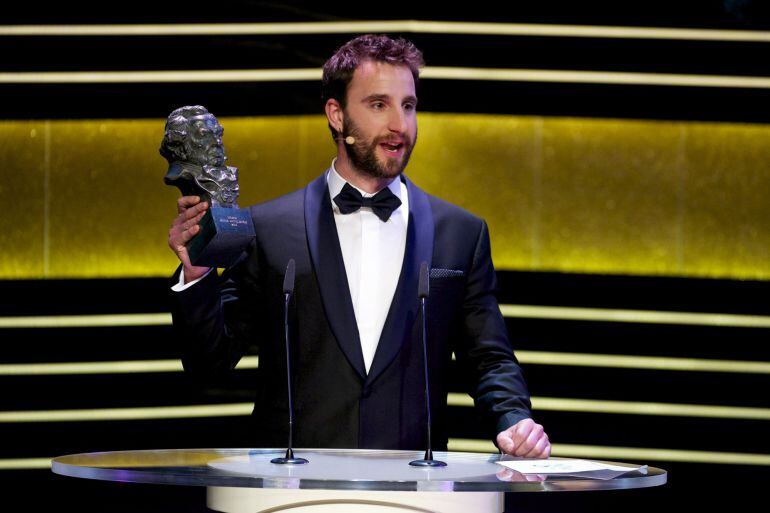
[[382, 204]]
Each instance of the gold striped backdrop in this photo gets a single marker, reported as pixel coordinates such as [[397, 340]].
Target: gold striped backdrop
[[86, 198]]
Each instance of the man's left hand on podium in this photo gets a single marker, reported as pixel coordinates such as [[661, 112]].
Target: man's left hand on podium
[[526, 439]]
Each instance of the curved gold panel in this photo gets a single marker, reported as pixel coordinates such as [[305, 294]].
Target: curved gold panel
[[86, 198]]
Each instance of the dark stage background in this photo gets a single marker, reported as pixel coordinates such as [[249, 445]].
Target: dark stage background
[[592, 325]]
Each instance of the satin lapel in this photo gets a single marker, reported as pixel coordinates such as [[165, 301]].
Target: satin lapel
[[404, 308], [329, 269]]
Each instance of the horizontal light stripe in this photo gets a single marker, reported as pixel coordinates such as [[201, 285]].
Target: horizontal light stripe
[[406, 26], [631, 407], [453, 399], [637, 453], [144, 77], [635, 316], [86, 321], [642, 362], [25, 463], [595, 77], [445, 73], [525, 357], [508, 310], [80, 368], [649, 408], [128, 366], [107, 414], [625, 453]]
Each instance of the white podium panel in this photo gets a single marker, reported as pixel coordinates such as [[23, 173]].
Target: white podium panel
[[263, 500]]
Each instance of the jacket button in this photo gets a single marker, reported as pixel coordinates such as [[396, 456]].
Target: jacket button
[[366, 392]]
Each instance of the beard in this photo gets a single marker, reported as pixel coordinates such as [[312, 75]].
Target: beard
[[363, 153]]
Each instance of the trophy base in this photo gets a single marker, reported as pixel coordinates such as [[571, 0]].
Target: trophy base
[[224, 234]]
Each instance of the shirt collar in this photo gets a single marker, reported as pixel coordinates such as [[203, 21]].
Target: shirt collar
[[336, 183]]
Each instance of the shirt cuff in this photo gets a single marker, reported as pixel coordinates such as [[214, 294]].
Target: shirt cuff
[[179, 287]]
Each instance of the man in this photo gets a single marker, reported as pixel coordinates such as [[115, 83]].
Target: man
[[358, 234]]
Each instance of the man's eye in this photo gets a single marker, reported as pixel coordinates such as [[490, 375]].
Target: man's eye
[[378, 105], [410, 106]]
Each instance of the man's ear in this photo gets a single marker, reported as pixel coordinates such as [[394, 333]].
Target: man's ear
[[334, 114]]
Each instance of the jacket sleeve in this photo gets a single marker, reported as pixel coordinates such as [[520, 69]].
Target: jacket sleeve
[[216, 319], [496, 382]]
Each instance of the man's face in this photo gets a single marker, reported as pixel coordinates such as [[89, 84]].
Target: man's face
[[205, 141], [381, 114]]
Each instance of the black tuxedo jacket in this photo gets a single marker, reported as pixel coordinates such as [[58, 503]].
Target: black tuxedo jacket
[[337, 404]]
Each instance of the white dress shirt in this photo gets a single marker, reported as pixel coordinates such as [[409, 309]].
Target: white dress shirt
[[373, 254]]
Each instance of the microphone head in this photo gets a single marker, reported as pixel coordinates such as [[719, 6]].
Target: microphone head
[[350, 140], [288, 278], [423, 287]]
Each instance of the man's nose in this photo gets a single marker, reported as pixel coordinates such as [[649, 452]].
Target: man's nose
[[397, 121]]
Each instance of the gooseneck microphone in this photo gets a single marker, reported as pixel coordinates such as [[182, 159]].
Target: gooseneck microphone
[[288, 290], [423, 290]]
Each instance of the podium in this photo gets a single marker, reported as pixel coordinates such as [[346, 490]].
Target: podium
[[340, 480]]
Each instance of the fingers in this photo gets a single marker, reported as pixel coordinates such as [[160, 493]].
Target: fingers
[[195, 210], [185, 225], [509, 440], [186, 234], [504, 441], [519, 434], [188, 218], [542, 448], [526, 439], [522, 429], [178, 239], [193, 221], [510, 476], [186, 202], [527, 442], [182, 230]]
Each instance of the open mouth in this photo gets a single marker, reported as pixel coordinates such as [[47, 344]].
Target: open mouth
[[392, 148]]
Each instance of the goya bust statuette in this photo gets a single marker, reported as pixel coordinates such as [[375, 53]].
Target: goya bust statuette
[[192, 145]]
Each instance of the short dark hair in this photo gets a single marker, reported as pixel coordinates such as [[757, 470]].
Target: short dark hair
[[338, 70]]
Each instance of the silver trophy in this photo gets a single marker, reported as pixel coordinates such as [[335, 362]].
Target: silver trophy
[[192, 145]]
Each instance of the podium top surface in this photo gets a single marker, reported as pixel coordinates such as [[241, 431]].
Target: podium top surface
[[337, 469]]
